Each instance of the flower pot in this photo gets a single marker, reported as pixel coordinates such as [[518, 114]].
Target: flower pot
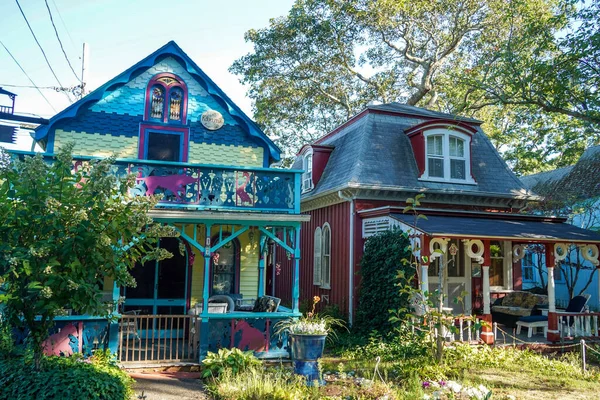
[[305, 351]]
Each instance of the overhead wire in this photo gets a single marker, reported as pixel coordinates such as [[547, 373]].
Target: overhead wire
[[64, 25], [60, 42], [28, 77], [42, 49]]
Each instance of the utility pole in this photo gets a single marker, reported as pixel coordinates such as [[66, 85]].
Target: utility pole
[[84, 68]]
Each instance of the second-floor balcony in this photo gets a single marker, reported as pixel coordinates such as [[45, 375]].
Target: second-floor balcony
[[210, 187]]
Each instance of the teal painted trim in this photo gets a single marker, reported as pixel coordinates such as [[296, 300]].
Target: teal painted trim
[[297, 192], [80, 318], [291, 224], [229, 239], [257, 210], [277, 240], [261, 265], [113, 336], [172, 49], [163, 163], [251, 315], [204, 333], [205, 289], [296, 285], [190, 240]]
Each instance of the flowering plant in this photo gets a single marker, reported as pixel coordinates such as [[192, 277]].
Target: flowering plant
[[310, 324], [454, 390]]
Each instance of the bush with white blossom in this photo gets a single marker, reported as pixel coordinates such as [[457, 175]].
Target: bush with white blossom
[[443, 390]]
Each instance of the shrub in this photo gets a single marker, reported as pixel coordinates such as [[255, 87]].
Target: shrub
[[63, 378], [254, 384], [228, 360], [380, 267]]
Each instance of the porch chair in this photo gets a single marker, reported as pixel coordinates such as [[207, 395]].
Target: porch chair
[[576, 305], [129, 327]]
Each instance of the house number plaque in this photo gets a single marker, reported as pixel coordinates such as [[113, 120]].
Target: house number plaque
[[212, 120]]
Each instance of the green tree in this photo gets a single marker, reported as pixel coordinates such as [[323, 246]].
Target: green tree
[[63, 231], [511, 64]]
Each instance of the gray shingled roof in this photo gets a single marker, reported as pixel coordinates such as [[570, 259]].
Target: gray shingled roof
[[375, 152], [418, 111], [573, 183]]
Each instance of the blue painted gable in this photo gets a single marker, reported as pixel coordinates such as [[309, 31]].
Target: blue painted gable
[[117, 107]]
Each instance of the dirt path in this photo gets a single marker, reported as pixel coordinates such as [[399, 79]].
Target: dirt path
[[168, 386]]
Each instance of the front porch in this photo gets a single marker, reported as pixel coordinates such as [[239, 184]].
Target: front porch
[[476, 257]]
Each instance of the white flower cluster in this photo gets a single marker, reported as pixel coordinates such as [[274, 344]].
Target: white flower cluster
[[309, 328], [454, 390]]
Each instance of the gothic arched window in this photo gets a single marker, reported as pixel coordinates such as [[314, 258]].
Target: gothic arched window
[[166, 99]]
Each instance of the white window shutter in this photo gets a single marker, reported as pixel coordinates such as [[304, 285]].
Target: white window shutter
[[317, 258], [326, 257]]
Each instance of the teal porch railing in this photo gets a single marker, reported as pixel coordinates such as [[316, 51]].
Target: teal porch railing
[[209, 187]]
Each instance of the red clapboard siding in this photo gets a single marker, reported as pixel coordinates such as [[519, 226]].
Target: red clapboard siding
[[338, 217]]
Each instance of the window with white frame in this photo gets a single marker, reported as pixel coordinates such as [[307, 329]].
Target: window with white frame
[[322, 257], [307, 166], [326, 257], [447, 156], [527, 267], [317, 257]]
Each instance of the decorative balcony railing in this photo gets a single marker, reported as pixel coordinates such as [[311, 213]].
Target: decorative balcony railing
[[195, 186], [210, 187]]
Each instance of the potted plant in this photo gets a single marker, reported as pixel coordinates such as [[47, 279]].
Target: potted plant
[[307, 336]]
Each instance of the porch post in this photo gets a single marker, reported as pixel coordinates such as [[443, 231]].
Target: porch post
[[553, 332], [262, 240], [424, 260], [204, 332], [487, 335], [296, 289], [113, 326]]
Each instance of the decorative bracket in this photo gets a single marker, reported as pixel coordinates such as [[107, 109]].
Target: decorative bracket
[[443, 248], [563, 248], [590, 253], [477, 254], [518, 252]]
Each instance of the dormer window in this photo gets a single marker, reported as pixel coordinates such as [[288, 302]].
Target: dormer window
[[307, 166], [166, 99], [447, 156]]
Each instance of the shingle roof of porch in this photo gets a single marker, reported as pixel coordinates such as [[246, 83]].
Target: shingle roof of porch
[[510, 227]]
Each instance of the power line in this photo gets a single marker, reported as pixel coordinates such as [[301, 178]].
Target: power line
[[43, 52], [64, 25], [30, 80], [55, 88], [60, 42]]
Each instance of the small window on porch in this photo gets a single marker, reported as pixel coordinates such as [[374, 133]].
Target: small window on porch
[[528, 267], [497, 264]]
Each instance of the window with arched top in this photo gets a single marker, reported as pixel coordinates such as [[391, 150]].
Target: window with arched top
[[322, 257], [166, 99], [447, 156]]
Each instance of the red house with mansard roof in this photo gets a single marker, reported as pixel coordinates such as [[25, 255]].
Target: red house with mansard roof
[[358, 177]]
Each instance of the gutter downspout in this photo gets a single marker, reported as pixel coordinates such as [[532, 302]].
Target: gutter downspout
[[351, 259]]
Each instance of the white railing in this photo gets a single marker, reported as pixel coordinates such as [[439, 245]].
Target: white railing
[[572, 325], [465, 329], [158, 338]]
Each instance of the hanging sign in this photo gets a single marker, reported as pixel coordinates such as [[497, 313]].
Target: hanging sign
[[212, 120]]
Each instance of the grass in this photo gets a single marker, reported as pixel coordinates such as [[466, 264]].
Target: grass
[[508, 372]]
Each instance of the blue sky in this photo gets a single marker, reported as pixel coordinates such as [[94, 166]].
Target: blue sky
[[120, 33]]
